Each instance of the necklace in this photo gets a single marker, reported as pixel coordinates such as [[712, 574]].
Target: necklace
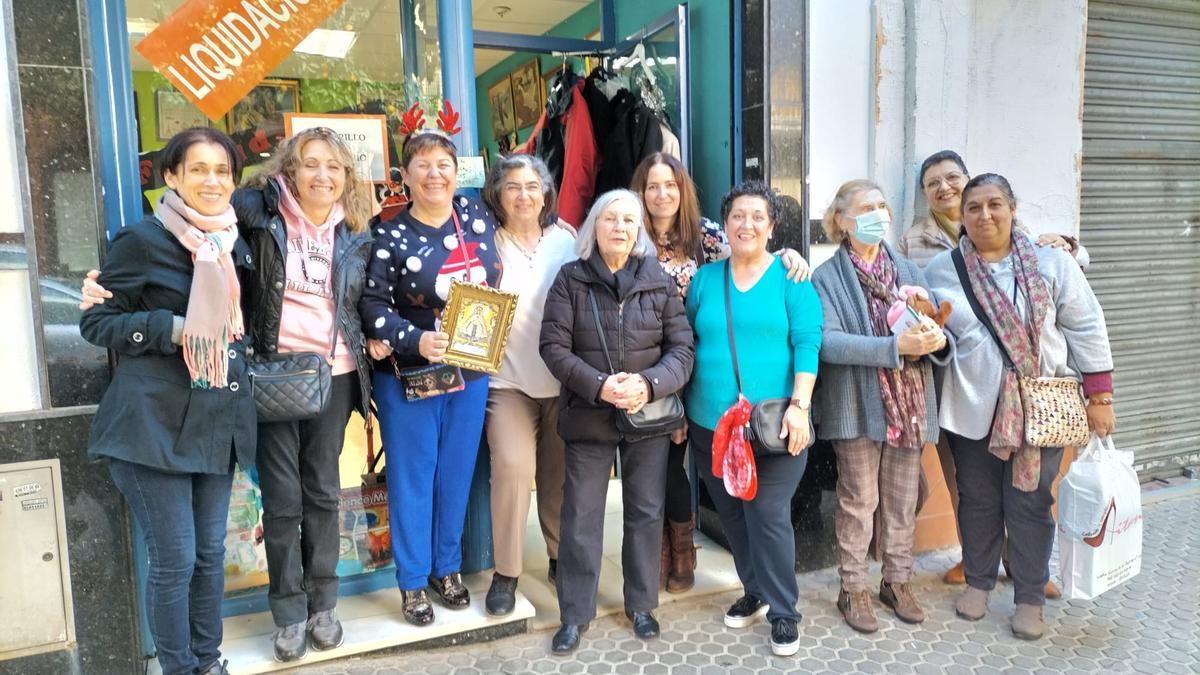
[[520, 245]]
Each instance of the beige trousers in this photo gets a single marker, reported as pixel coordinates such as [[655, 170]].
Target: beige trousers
[[522, 434], [871, 475]]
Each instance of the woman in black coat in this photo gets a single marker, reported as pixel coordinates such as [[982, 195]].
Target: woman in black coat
[[643, 353], [179, 410]]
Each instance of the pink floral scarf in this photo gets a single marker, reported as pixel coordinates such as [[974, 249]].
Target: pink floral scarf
[[214, 311]]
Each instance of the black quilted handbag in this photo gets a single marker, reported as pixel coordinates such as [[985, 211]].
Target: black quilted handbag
[[290, 386]]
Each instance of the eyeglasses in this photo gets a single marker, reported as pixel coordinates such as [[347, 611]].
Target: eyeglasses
[[517, 188], [953, 179]]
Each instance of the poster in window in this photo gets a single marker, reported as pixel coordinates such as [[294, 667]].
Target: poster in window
[[367, 136], [263, 108], [500, 99], [173, 113]]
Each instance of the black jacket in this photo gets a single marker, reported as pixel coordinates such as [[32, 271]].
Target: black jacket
[[262, 227], [646, 330], [636, 133], [150, 415]]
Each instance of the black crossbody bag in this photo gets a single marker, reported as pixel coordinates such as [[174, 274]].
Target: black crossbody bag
[[290, 386], [657, 418], [766, 417]]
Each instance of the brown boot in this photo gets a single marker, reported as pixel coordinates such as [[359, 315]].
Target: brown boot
[[955, 576], [900, 598], [683, 557], [856, 609], [665, 560]]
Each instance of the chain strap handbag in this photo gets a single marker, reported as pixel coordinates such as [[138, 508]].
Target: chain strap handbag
[[658, 417], [290, 386], [766, 416], [1054, 410]]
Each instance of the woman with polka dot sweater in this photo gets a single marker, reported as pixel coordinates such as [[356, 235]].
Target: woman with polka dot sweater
[[432, 442]]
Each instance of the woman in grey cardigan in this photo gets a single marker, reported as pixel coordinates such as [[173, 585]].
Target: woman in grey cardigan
[[877, 401], [1050, 324]]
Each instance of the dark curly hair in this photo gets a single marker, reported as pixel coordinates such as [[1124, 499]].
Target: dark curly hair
[[175, 152], [752, 188]]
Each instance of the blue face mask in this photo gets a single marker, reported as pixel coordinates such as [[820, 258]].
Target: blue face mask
[[870, 227]]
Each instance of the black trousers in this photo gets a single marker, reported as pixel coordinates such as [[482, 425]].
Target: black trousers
[[759, 531], [988, 504], [679, 490], [581, 545], [300, 481]]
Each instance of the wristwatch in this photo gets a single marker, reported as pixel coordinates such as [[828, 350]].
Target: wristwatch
[[801, 405]]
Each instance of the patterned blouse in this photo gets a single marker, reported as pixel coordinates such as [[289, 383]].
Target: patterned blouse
[[714, 244]]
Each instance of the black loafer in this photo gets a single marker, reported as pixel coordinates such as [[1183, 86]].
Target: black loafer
[[645, 626], [502, 596], [566, 639], [417, 609], [451, 591]]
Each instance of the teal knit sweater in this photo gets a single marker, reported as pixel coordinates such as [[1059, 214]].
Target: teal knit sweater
[[777, 326]]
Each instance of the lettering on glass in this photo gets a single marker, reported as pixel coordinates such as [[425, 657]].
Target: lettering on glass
[[216, 51]]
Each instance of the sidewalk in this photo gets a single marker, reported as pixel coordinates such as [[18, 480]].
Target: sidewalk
[[1150, 625]]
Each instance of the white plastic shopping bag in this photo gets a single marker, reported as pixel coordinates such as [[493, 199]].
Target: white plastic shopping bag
[[1099, 521]]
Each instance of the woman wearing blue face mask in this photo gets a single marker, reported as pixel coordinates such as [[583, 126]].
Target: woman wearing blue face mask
[[877, 402]]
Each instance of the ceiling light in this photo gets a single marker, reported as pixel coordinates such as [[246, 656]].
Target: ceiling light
[[324, 42], [501, 10], [140, 26]]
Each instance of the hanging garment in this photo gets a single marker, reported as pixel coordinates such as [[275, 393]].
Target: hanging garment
[[550, 143], [581, 161], [636, 134], [670, 144]]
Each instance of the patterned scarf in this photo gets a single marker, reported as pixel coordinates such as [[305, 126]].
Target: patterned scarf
[[214, 311], [1022, 341], [903, 388]]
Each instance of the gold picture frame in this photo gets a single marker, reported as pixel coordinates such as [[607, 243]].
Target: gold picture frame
[[478, 320], [526, 87]]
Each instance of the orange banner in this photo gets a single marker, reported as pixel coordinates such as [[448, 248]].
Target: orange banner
[[215, 51]]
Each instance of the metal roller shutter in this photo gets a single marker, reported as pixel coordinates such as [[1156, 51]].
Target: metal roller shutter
[[1140, 212]]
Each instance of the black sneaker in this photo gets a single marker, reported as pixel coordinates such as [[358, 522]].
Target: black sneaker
[[785, 639], [290, 643], [745, 612], [325, 631], [502, 596]]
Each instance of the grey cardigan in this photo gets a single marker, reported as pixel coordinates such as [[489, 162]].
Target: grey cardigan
[[1074, 338], [848, 403]]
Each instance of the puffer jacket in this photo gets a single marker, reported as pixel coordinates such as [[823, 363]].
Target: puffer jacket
[[647, 333], [262, 226]]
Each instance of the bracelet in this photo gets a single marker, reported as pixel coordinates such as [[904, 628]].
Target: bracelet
[[1102, 401], [801, 405]]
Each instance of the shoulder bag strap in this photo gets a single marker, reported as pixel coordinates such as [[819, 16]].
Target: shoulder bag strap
[[737, 376], [960, 265], [600, 331]]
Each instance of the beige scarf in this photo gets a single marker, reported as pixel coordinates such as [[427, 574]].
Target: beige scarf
[[214, 312]]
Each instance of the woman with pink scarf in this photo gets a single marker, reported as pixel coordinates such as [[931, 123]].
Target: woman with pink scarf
[[179, 412]]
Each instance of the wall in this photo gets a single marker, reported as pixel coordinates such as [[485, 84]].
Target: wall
[[55, 147], [711, 83], [999, 82]]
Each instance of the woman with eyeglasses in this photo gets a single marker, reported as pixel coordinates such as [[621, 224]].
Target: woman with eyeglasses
[[305, 217]]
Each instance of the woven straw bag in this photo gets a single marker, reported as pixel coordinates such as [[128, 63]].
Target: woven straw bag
[[1055, 413]]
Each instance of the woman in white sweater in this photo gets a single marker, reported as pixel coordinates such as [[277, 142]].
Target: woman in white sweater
[[1048, 323], [522, 407]]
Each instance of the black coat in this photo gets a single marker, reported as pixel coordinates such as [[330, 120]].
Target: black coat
[[150, 415], [636, 133], [646, 330], [262, 227]]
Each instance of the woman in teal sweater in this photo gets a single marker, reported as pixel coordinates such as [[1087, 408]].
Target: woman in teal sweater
[[778, 326]]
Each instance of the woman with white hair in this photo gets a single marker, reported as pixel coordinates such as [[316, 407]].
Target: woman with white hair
[[615, 334]]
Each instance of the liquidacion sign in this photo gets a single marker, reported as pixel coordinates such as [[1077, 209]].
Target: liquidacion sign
[[216, 51]]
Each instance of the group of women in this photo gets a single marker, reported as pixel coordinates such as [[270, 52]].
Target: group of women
[[647, 301]]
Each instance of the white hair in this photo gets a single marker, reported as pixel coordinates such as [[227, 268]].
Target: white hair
[[585, 241]]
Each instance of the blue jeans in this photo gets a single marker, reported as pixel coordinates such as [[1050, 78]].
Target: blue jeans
[[431, 447], [183, 517]]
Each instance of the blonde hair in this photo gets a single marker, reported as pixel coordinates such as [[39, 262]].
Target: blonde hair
[[288, 157], [841, 202]]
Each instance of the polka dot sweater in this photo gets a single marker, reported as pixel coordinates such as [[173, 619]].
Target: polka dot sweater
[[410, 270]]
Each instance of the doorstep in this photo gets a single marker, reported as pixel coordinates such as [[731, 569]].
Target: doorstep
[[372, 621]]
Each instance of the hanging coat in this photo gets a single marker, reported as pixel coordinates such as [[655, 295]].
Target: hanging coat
[[636, 134], [581, 161]]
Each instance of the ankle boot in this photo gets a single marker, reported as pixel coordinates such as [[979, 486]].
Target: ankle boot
[[664, 567], [683, 557]]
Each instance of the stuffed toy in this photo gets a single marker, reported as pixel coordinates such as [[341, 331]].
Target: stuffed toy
[[918, 298]]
